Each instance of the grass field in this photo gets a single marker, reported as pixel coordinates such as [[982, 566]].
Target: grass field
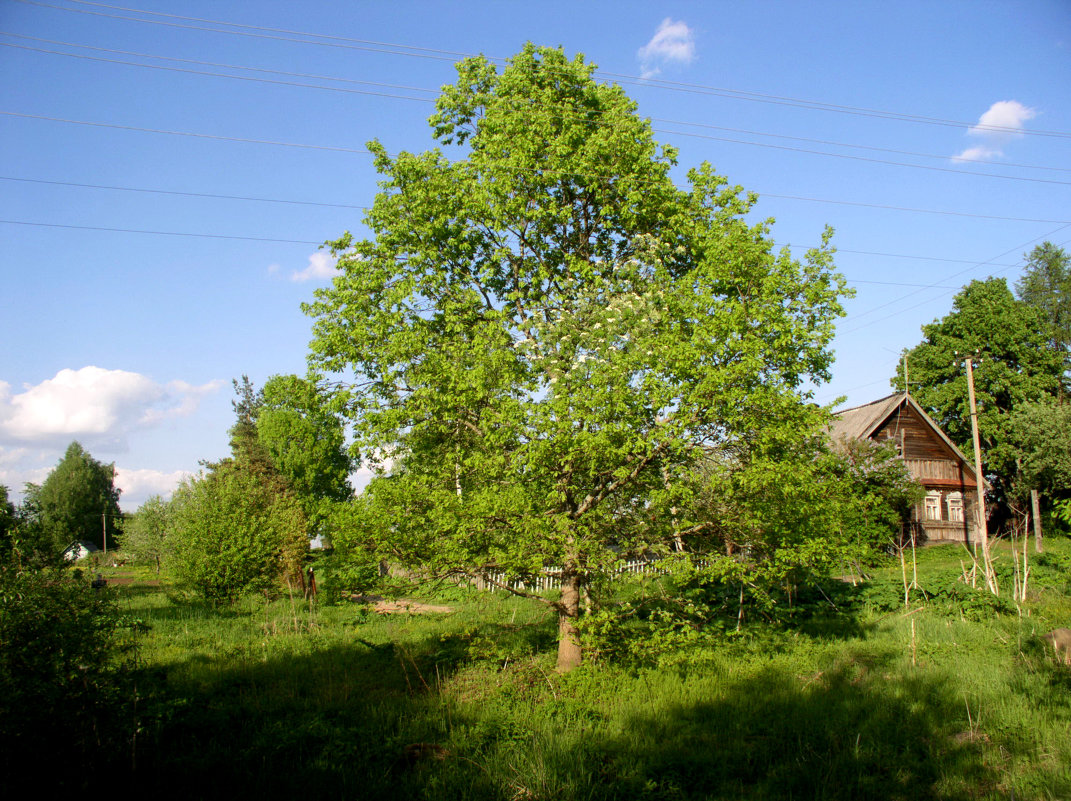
[[947, 699]]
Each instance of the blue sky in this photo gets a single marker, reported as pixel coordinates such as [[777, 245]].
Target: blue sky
[[160, 222]]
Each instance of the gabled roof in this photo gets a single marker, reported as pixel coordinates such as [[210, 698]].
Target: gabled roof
[[71, 552], [860, 422]]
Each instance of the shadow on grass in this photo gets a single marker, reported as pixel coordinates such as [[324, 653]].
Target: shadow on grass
[[371, 722], [348, 720], [840, 734]]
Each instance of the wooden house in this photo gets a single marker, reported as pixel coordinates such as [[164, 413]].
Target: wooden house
[[947, 513]]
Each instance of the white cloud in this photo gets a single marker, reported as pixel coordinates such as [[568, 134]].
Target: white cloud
[[187, 398], [321, 266], [94, 405], [139, 485], [979, 153], [672, 42], [1003, 119], [998, 125], [17, 466]]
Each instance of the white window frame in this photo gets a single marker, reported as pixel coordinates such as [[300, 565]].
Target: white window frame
[[931, 506], [956, 511]]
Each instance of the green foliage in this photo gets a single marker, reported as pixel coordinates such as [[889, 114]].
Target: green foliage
[[145, 534], [945, 592], [1062, 511], [1046, 285], [789, 510], [77, 500], [542, 330], [1015, 365], [272, 699], [339, 576], [8, 522], [305, 442], [233, 532], [880, 493], [60, 693], [1042, 432]]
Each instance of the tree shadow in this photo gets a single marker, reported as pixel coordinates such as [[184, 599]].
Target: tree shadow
[[840, 734], [371, 720]]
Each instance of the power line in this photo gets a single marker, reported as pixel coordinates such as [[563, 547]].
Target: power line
[[346, 90], [160, 233], [989, 262], [363, 150], [197, 62], [202, 63], [854, 146], [217, 137], [437, 54], [863, 158], [207, 195], [311, 242], [909, 208], [214, 196]]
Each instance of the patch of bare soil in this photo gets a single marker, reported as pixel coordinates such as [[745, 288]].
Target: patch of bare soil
[[132, 580], [401, 606]]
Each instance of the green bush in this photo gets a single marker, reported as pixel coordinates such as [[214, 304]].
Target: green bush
[[60, 691], [337, 576], [235, 532]]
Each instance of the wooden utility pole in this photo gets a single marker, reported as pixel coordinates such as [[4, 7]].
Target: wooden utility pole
[[990, 577]]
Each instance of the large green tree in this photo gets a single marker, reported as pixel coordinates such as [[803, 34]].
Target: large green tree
[[239, 527], [545, 331], [78, 501], [306, 443], [145, 534], [1042, 433], [8, 521], [1046, 285], [1014, 364]]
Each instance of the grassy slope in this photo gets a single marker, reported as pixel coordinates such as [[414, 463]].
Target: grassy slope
[[267, 699]]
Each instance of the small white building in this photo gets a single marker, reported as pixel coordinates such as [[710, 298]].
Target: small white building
[[79, 549]]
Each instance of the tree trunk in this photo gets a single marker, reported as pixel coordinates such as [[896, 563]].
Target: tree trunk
[[568, 614]]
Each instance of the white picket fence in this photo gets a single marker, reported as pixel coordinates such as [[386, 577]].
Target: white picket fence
[[550, 578]]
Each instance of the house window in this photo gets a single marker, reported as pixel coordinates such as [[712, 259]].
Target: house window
[[933, 506], [955, 507]]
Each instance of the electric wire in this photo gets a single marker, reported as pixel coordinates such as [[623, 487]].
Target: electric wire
[[320, 147], [381, 84], [988, 262], [247, 140], [438, 54], [761, 195], [160, 233]]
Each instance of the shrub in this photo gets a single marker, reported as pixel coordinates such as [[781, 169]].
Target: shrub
[[234, 532], [60, 696]]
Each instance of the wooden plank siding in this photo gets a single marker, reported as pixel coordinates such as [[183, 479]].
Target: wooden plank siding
[[930, 458]]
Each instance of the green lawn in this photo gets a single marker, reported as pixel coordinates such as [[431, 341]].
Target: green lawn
[[950, 700]]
